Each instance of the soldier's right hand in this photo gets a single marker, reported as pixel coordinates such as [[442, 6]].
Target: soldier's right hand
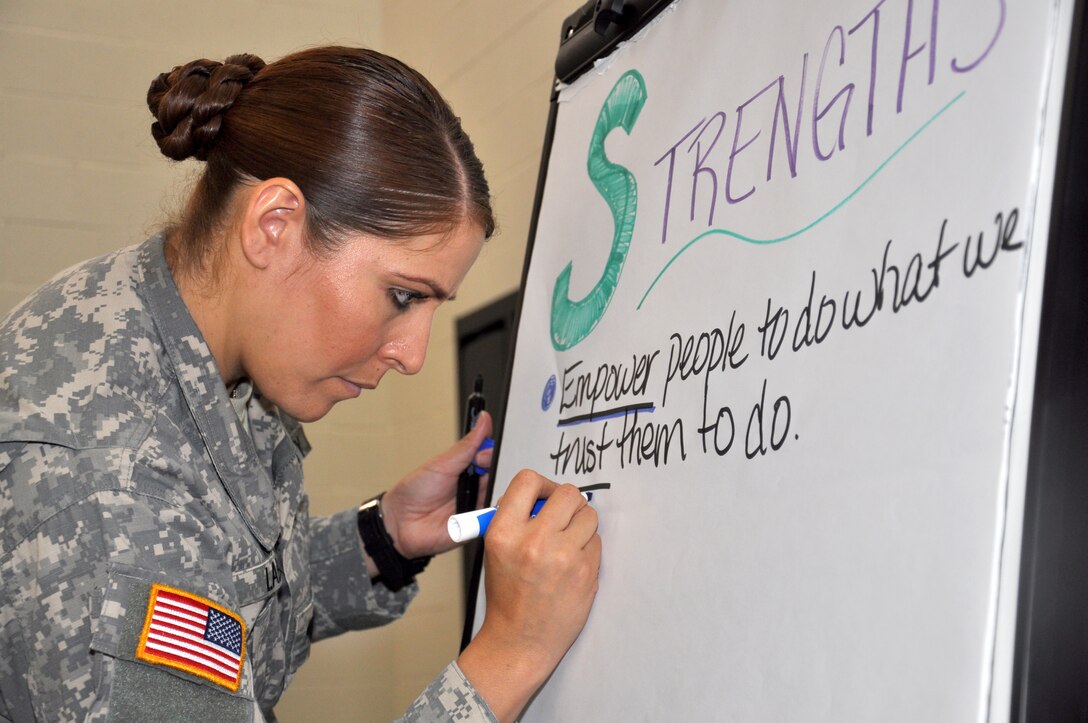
[[541, 579]]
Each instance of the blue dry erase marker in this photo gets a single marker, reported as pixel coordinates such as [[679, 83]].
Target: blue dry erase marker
[[470, 525]]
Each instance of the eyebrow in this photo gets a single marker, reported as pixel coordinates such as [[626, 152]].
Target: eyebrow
[[436, 290]]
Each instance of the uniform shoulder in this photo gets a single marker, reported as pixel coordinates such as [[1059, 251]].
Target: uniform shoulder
[[80, 359]]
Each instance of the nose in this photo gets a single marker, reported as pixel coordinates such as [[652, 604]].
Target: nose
[[407, 350]]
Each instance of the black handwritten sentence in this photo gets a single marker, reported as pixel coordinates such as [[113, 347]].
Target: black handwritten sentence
[[615, 414]]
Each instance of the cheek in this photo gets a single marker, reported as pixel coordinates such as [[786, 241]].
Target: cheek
[[353, 338], [348, 316], [341, 322]]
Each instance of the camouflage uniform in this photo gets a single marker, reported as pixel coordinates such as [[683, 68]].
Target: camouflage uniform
[[124, 467]]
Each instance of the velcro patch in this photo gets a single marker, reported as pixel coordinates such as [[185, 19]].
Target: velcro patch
[[193, 634]]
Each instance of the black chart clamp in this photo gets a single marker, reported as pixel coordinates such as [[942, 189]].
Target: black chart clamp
[[595, 28]]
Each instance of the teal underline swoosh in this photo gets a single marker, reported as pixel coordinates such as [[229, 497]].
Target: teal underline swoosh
[[798, 232]]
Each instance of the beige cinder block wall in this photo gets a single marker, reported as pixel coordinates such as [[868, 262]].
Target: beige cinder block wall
[[81, 176]]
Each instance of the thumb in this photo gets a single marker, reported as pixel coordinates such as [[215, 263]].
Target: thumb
[[480, 432], [461, 454]]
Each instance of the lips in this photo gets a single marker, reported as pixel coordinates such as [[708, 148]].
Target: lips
[[352, 388]]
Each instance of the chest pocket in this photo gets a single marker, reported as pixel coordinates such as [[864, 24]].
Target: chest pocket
[[277, 592], [255, 585], [259, 589], [293, 549]]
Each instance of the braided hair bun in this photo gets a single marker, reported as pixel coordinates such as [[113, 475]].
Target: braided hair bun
[[189, 102]]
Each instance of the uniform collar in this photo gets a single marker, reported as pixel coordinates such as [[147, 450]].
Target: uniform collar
[[231, 449]]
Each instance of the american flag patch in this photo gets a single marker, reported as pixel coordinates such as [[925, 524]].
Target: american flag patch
[[188, 632]]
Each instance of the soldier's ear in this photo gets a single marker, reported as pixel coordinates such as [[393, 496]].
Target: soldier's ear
[[273, 222]]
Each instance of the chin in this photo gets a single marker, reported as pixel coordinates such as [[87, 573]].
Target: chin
[[310, 409], [312, 412], [309, 417]]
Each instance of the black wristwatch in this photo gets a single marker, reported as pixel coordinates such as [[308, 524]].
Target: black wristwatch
[[395, 571]]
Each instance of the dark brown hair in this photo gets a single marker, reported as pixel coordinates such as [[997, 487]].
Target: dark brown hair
[[372, 145]]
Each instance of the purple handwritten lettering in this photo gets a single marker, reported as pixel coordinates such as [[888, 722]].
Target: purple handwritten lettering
[[700, 159], [780, 110], [909, 54], [875, 15], [737, 149], [848, 89], [671, 155], [997, 33]]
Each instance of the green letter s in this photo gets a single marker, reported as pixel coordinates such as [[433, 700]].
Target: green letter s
[[572, 321]]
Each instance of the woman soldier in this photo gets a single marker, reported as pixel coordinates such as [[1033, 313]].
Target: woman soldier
[[157, 560]]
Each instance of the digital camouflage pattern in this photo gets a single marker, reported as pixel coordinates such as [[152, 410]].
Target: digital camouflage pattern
[[450, 698], [123, 464]]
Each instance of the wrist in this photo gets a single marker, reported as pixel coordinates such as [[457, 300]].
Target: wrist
[[394, 570], [390, 513], [503, 673]]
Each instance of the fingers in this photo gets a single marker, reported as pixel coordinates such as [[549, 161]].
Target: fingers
[[482, 429], [460, 455], [566, 511], [565, 503], [485, 456], [583, 526], [465, 448], [524, 490], [476, 436]]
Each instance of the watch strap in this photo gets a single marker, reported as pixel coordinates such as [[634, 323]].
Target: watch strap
[[395, 571]]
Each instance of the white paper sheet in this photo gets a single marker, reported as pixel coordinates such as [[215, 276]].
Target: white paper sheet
[[813, 529]]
